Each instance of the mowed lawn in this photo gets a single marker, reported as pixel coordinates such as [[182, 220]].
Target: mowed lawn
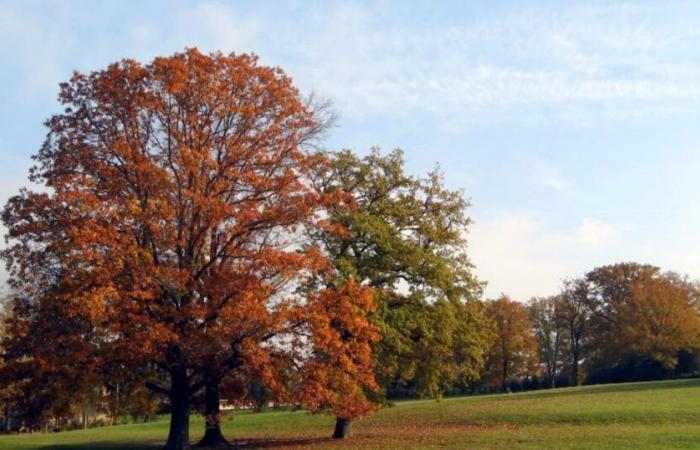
[[660, 415]]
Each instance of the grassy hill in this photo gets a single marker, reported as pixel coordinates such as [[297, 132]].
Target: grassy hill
[[660, 415]]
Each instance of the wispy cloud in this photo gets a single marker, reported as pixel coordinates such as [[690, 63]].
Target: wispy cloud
[[525, 64]]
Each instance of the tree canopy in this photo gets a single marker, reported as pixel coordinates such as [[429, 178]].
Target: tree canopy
[[172, 196], [405, 236], [513, 351]]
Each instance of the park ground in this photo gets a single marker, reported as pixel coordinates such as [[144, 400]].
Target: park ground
[[661, 415]]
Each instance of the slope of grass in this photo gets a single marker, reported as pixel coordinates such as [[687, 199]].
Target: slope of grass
[[660, 415]]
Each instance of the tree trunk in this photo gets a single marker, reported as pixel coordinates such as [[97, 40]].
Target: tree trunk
[[179, 434], [212, 417], [342, 428], [574, 369], [7, 419], [504, 377]]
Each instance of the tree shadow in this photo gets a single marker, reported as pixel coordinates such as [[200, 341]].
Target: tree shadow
[[235, 444], [103, 445]]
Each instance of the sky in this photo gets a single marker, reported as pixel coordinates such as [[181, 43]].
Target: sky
[[573, 127]]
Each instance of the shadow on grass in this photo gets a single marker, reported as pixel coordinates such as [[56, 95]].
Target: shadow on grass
[[234, 445], [103, 445]]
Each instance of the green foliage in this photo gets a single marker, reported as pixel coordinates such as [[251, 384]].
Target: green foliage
[[405, 236], [430, 347]]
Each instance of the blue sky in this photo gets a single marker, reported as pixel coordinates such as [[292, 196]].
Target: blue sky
[[573, 127]]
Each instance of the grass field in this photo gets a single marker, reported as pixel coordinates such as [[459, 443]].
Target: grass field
[[660, 415]]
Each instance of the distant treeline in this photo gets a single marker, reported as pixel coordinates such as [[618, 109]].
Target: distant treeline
[[621, 322]]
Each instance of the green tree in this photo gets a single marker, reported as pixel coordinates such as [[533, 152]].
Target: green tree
[[405, 236]]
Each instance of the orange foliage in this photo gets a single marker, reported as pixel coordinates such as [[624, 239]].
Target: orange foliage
[[514, 349], [339, 372], [176, 192]]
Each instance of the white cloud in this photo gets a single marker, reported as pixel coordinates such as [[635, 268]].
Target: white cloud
[[593, 232], [518, 255]]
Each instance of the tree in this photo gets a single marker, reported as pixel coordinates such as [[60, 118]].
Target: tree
[[405, 236], [549, 332], [662, 318], [339, 375], [643, 320], [171, 196], [39, 335], [575, 309], [513, 351]]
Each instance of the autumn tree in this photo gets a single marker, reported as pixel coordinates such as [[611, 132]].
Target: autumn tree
[[169, 201], [643, 317], [514, 349], [550, 334], [662, 318], [575, 309], [405, 237], [339, 373]]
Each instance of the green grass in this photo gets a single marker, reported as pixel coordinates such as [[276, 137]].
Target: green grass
[[661, 415]]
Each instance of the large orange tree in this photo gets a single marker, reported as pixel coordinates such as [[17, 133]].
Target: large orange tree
[[171, 197]]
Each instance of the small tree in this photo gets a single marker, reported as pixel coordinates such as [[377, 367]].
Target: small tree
[[514, 349], [338, 374], [550, 334], [575, 309]]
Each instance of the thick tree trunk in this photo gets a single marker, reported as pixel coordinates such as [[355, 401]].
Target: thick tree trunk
[[212, 417], [342, 428], [179, 435]]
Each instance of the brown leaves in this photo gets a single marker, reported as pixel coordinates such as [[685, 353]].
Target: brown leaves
[[338, 374], [513, 352], [177, 191]]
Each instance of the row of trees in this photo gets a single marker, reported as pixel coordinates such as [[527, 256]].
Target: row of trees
[[188, 240], [620, 322]]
